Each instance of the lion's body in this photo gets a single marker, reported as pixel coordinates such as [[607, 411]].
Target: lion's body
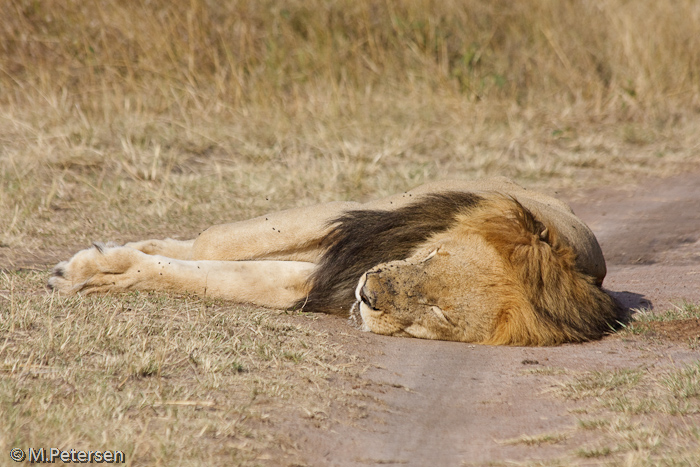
[[484, 261]]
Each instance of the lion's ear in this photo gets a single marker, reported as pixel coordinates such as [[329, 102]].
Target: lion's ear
[[528, 222], [541, 231]]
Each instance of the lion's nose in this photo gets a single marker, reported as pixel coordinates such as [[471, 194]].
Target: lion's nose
[[367, 296]]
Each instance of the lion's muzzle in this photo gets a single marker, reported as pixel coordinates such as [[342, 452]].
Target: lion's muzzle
[[366, 295], [365, 298]]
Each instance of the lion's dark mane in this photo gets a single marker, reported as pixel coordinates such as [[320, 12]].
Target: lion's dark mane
[[361, 239]]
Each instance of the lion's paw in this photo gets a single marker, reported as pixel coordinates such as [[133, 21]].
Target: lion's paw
[[98, 269]]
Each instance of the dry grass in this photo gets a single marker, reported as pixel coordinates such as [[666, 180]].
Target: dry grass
[[161, 57], [683, 310], [153, 113], [638, 417], [167, 380], [121, 120], [537, 440], [678, 323]]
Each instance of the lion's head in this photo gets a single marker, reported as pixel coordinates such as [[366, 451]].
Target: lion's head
[[503, 278], [444, 291]]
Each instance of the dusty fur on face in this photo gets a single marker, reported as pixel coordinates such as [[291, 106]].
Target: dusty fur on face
[[549, 301]]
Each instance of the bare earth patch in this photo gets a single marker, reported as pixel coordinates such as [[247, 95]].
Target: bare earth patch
[[682, 330]]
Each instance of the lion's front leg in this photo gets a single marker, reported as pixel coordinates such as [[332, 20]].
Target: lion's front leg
[[98, 269], [277, 284]]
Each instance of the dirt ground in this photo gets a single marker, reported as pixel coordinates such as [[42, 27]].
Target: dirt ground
[[442, 403]]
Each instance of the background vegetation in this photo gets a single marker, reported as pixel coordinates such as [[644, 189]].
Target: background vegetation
[[126, 119], [198, 111]]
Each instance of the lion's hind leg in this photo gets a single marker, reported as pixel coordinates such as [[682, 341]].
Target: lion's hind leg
[[179, 249]]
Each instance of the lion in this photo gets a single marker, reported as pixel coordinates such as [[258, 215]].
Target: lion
[[483, 261]]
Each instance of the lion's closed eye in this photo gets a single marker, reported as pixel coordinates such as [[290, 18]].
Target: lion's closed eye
[[431, 255], [441, 315]]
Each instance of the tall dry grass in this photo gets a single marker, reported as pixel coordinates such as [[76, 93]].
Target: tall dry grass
[[130, 116], [174, 57]]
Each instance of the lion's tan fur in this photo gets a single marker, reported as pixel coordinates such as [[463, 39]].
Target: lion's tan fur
[[504, 265]]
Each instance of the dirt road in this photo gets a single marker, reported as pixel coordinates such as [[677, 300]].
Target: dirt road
[[441, 403]]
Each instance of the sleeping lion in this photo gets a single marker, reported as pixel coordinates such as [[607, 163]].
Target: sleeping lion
[[482, 261]]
